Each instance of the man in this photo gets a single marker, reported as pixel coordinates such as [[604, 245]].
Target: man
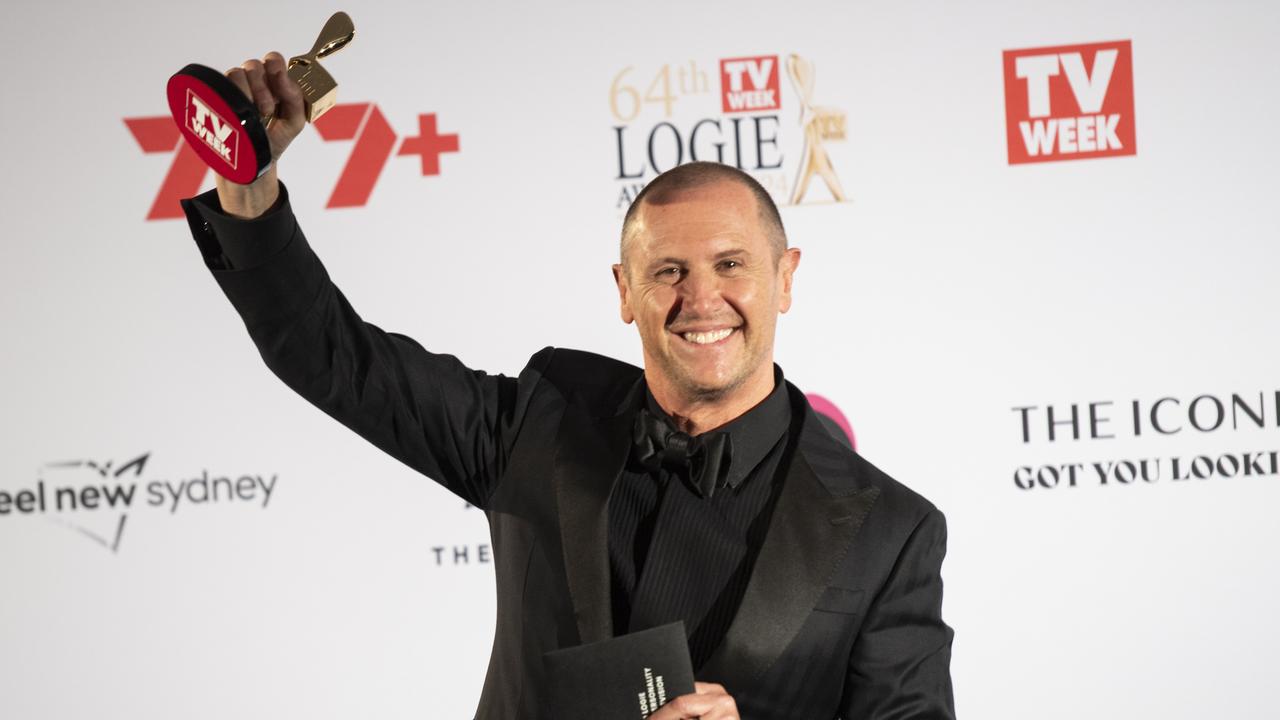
[[701, 488]]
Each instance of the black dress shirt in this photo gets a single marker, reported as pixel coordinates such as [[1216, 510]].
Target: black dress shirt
[[676, 556]]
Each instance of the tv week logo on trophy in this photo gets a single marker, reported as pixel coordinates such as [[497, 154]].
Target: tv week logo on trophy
[[212, 128], [1069, 102]]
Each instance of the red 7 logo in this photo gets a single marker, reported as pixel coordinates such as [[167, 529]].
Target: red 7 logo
[[362, 122], [186, 173], [374, 138]]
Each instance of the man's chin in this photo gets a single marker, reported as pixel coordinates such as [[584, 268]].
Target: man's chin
[[708, 387]]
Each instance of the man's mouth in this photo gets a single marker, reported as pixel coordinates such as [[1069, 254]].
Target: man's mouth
[[707, 337]]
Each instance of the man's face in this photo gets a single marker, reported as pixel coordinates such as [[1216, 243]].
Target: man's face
[[701, 282]]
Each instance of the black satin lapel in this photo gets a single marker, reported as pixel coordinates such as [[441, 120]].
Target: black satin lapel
[[589, 456], [809, 534]]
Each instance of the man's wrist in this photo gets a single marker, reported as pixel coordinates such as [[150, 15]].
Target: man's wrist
[[251, 201]]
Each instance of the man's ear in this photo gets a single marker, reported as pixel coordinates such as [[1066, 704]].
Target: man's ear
[[624, 293], [787, 265]]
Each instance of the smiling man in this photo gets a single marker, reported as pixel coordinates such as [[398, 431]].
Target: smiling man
[[700, 488], [705, 271]]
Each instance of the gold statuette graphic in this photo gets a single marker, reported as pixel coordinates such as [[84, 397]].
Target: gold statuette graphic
[[819, 123], [319, 89]]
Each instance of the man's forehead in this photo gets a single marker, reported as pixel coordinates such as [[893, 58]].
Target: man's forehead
[[705, 197], [702, 216]]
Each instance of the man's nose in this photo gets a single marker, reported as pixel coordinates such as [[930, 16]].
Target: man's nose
[[700, 293]]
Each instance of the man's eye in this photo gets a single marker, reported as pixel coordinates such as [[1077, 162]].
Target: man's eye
[[668, 273], [730, 264]]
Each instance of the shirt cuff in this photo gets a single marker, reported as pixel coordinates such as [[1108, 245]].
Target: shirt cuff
[[244, 244]]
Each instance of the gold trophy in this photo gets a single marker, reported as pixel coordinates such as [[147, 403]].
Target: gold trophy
[[319, 89], [223, 126], [819, 123]]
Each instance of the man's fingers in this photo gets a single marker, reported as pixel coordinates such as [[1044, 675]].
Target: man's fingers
[[709, 702], [274, 62], [277, 98], [236, 75], [256, 74], [285, 90]]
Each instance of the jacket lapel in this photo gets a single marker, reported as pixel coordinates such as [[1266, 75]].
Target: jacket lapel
[[812, 529], [590, 454]]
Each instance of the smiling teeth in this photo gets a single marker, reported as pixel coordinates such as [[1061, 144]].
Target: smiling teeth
[[706, 338]]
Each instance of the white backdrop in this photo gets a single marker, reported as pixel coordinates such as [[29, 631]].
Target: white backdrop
[[951, 288]]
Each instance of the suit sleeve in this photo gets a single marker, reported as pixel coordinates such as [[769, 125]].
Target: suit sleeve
[[900, 665], [428, 410]]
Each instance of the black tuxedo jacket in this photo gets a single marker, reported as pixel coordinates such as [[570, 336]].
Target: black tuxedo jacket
[[842, 614]]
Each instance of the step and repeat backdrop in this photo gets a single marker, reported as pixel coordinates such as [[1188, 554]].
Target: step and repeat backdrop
[[1038, 286]]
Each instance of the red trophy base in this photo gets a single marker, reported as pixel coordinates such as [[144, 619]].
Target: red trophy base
[[219, 123]]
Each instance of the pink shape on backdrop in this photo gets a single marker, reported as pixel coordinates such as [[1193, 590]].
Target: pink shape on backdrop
[[826, 407]]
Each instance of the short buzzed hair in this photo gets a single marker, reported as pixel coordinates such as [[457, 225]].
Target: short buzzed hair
[[671, 183]]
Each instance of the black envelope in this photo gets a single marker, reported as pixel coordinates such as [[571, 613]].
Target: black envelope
[[624, 678]]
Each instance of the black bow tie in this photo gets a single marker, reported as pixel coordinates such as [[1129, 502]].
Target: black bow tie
[[702, 460]]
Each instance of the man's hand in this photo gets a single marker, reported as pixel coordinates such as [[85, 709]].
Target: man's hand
[[708, 702], [266, 82]]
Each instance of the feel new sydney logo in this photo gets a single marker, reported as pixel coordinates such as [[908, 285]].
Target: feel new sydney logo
[[95, 498]]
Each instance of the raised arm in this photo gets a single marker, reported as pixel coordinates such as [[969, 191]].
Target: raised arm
[[454, 424]]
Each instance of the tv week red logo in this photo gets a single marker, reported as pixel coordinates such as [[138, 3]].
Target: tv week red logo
[[372, 142], [212, 128], [749, 84], [1069, 102]]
